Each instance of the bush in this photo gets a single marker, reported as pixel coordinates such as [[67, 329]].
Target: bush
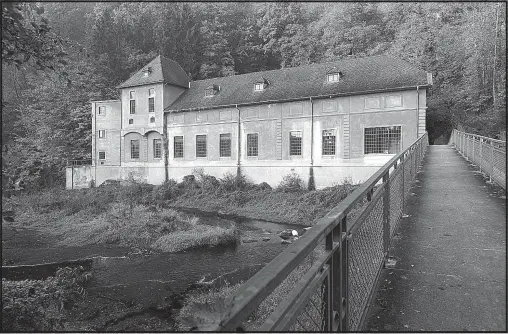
[[291, 183], [166, 191], [39, 305], [230, 182], [198, 236]]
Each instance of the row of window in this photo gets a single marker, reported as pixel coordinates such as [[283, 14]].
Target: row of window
[[157, 150], [151, 101], [385, 140]]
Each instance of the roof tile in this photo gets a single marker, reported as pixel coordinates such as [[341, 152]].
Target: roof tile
[[368, 74]]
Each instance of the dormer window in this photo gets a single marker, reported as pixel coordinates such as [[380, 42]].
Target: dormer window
[[147, 71], [261, 85], [333, 75], [212, 90]]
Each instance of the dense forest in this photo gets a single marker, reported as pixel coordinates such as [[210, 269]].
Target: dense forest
[[57, 57]]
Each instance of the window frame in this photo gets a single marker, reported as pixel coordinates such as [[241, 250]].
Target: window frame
[[132, 102], [151, 100], [205, 147], [247, 144], [99, 113], [157, 142], [132, 149], [99, 155], [182, 148], [335, 77], [103, 134], [398, 105], [150, 120], [222, 148], [323, 148], [209, 92], [291, 142], [364, 143], [259, 86], [131, 121]]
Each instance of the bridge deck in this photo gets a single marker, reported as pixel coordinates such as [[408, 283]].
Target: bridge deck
[[450, 273]]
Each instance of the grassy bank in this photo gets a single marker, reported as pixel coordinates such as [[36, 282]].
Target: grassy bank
[[289, 202], [115, 215]]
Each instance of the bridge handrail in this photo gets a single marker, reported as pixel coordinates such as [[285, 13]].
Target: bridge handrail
[[487, 153], [334, 224]]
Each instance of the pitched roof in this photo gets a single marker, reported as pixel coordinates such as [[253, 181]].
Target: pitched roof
[[163, 70], [359, 75]]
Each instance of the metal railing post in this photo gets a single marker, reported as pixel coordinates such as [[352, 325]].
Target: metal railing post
[[481, 153], [344, 284], [329, 288], [491, 159], [403, 181], [472, 153], [386, 215]]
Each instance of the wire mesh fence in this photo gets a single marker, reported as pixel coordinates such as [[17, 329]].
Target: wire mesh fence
[[354, 237], [365, 258], [396, 199], [487, 153]]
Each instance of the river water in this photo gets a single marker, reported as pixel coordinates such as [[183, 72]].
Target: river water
[[156, 278]]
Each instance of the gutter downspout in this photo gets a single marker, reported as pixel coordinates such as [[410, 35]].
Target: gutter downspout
[[165, 143], [95, 148], [239, 144], [417, 111], [311, 184]]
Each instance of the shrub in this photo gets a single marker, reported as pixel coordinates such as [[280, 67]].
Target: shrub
[[39, 305], [166, 191], [291, 183], [231, 182], [198, 236]]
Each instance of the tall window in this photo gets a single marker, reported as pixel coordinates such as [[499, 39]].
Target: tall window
[[252, 144], [384, 140], [329, 137], [102, 133], [157, 148], [102, 155], [178, 146], [102, 110], [132, 101], [295, 143], [225, 144], [151, 100], [135, 149], [201, 146]]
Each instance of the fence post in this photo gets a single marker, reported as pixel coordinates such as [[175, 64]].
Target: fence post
[[481, 153], [386, 215], [472, 153], [403, 181], [344, 275], [491, 159], [329, 288]]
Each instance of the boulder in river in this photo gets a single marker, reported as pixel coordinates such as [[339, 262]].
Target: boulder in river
[[248, 240], [285, 242], [265, 239]]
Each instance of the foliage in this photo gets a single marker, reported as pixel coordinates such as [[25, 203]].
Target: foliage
[[40, 305], [291, 182], [48, 82]]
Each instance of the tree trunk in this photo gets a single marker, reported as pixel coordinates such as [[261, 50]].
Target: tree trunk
[[495, 56]]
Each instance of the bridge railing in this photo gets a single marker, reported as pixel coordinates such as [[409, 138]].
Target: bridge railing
[[353, 240], [487, 153]]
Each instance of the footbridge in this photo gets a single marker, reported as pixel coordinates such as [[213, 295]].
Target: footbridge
[[420, 246]]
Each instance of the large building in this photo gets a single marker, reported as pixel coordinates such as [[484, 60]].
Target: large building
[[342, 120]]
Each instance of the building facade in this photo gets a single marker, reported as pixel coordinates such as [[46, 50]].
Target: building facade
[[342, 120]]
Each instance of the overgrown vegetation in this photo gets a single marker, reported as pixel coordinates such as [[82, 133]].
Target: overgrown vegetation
[[204, 308], [41, 305]]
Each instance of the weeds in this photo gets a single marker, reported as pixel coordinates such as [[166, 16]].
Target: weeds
[[40, 305]]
